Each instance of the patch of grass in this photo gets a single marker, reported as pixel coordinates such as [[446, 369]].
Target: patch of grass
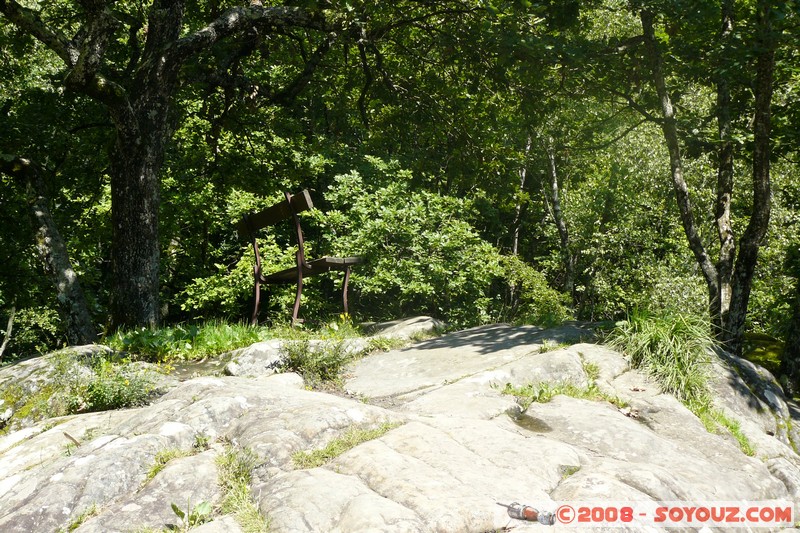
[[336, 447], [319, 365], [543, 392], [592, 370], [162, 458], [715, 420], [235, 475], [185, 342], [549, 345], [385, 344], [674, 348], [188, 342], [92, 510]]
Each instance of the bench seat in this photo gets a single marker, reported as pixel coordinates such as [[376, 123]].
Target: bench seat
[[317, 266]]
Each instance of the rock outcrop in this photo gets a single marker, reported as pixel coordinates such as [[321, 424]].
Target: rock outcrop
[[455, 443]]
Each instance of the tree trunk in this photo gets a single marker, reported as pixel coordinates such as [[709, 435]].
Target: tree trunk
[[143, 130], [53, 253], [9, 327], [670, 130], [790, 359], [756, 231], [561, 223], [135, 245], [720, 304], [518, 209]]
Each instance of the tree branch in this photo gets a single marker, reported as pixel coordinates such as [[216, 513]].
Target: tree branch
[[240, 18], [30, 21]]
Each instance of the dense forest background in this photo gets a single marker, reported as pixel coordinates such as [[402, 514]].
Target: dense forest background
[[493, 161]]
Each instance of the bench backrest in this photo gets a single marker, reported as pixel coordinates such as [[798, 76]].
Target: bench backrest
[[294, 203]]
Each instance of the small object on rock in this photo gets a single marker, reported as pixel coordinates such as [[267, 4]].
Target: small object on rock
[[526, 512], [638, 389], [630, 412], [73, 439]]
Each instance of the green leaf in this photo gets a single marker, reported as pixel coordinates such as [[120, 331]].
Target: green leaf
[[177, 510]]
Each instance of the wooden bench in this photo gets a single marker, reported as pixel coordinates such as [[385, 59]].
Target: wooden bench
[[286, 209]]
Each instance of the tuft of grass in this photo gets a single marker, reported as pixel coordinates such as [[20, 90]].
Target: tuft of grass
[[320, 365], [549, 345], [674, 348], [336, 447], [92, 510], [591, 369], [162, 458], [235, 469], [543, 392]]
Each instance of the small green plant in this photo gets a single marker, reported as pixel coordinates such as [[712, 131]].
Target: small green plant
[[235, 467], [568, 470], [162, 458], [350, 439], [91, 511], [193, 516], [550, 345], [201, 442], [319, 365], [543, 392]]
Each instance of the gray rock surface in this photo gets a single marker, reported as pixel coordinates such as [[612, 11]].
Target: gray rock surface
[[456, 447]]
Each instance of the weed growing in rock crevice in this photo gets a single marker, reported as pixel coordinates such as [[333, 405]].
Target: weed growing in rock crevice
[[317, 364], [162, 458], [235, 467], [675, 349], [349, 439], [543, 392]]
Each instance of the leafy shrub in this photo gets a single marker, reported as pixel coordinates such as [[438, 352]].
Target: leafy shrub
[[532, 300], [102, 386], [319, 364], [422, 254], [36, 330]]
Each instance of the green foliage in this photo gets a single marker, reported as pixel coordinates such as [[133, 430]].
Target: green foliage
[[534, 301], [675, 349], [422, 254], [319, 365], [186, 342], [74, 385], [36, 330], [100, 386]]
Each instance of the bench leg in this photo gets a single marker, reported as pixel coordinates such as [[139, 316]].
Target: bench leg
[[345, 283], [257, 302], [297, 298]]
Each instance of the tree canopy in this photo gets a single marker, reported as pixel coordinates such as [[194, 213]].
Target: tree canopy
[[495, 160]]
